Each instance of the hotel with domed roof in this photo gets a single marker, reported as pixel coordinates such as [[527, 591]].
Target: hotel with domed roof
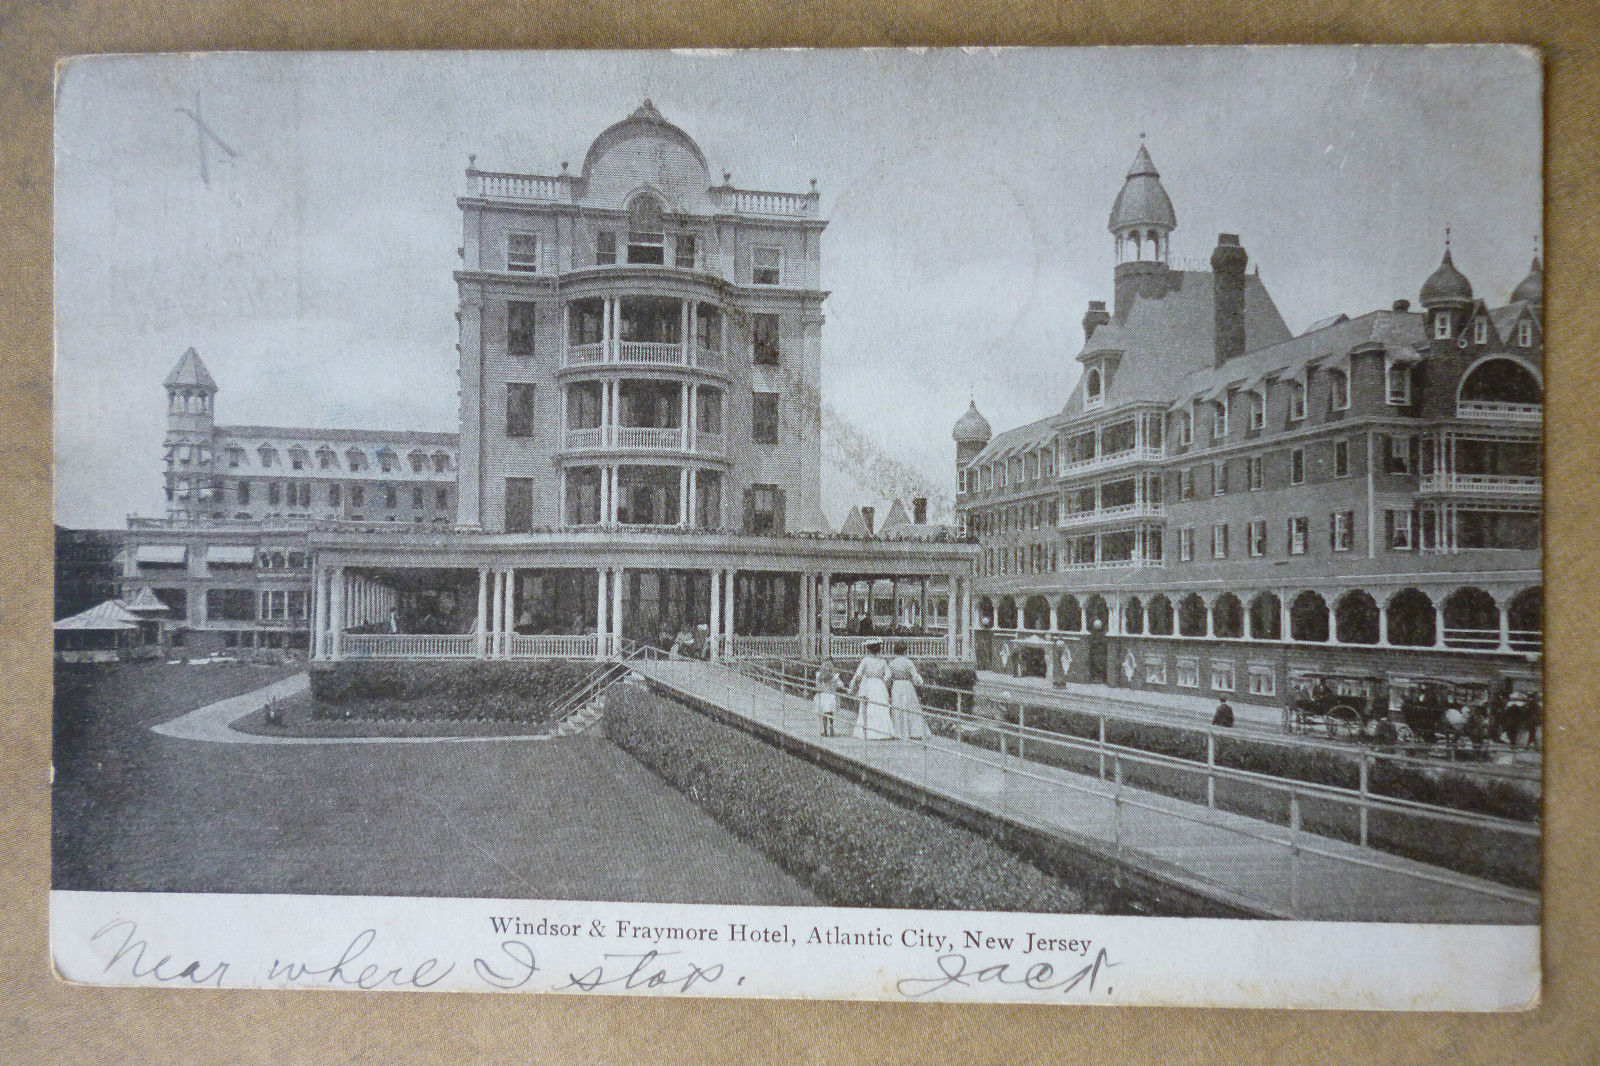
[[1225, 509]]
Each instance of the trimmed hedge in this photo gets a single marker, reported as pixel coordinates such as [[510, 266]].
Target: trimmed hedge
[[849, 845], [449, 691]]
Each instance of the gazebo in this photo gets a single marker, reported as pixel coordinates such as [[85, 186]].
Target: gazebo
[[107, 632]]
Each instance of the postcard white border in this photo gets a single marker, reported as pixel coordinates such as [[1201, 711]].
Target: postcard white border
[[387, 943]]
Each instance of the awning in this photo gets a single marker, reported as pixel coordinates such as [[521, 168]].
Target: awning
[[231, 554], [162, 553], [109, 615]]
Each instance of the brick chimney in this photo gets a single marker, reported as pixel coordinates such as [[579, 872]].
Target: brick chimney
[[919, 510], [1094, 318], [868, 514], [1228, 261]]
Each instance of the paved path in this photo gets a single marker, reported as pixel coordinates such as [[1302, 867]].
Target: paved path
[[214, 722], [1241, 860]]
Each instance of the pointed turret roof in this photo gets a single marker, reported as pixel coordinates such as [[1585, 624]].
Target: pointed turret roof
[[191, 372], [1142, 200], [972, 426], [1531, 288], [854, 525], [1447, 284]]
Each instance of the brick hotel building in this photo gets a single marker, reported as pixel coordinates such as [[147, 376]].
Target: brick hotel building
[[1230, 505]]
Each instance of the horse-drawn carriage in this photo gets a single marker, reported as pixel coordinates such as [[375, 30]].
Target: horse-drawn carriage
[[1338, 706]]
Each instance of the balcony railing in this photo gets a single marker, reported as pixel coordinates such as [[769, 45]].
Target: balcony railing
[[650, 353], [408, 645], [1483, 484], [554, 646], [503, 186], [585, 438], [1144, 509], [1113, 564], [585, 354], [649, 437], [753, 202], [641, 353], [1494, 411], [1145, 454]]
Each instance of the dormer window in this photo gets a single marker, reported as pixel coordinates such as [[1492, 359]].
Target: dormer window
[[356, 459], [1185, 429], [522, 253], [1338, 390], [269, 455], [1297, 400], [1258, 411], [419, 463], [441, 462], [647, 247], [298, 458], [1092, 394], [1399, 385], [1525, 334], [235, 458], [327, 458], [1219, 424], [388, 461], [1441, 325], [1480, 331]]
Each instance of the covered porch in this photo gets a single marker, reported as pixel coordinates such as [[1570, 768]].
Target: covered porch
[[601, 594]]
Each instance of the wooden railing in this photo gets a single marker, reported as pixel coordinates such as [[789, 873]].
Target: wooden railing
[[554, 646], [585, 354], [649, 437], [1485, 484], [408, 645], [1494, 411]]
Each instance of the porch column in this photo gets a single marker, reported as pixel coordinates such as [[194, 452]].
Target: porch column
[[728, 607], [692, 431], [685, 342], [1383, 625], [1504, 607], [806, 593], [1055, 620], [483, 617], [1333, 621], [607, 419], [336, 613], [692, 338], [683, 407], [509, 625], [1114, 617], [689, 503], [683, 495], [716, 613], [319, 615], [617, 577], [952, 617], [602, 625], [824, 650], [497, 610]]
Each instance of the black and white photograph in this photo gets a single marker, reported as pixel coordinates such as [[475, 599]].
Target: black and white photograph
[[1016, 525]]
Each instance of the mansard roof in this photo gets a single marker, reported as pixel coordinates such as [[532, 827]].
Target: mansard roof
[[1017, 440], [371, 437]]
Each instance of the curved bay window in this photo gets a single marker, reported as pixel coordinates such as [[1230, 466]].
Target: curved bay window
[[648, 495], [582, 496], [708, 499]]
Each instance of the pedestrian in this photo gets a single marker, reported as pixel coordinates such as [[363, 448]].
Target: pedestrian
[[870, 688], [702, 641], [1224, 715], [683, 643], [906, 706], [827, 698]]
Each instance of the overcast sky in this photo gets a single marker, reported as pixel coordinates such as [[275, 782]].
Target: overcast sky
[[967, 194]]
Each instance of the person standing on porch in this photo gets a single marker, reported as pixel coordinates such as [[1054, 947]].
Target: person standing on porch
[[906, 706], [683, 644], [870, 686]]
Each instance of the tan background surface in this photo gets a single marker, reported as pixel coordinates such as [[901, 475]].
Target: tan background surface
[[43, 1021]]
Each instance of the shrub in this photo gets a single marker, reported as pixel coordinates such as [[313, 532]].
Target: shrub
[[504, 691], [849, 845]]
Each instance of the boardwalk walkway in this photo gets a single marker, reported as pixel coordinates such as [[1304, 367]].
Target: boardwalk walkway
[[1245, 864]]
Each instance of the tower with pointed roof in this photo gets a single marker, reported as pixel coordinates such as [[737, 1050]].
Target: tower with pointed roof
[[1141, 223], [191, 424], [1446, 296]]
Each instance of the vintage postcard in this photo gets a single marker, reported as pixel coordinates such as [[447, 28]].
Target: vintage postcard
[[1054, 526]]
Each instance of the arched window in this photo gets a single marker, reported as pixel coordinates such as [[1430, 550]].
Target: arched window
[[1471, 619], [1411, 619], [647, 236], [1308, 618], [1227, 616], [1191, 616], [1160, 615], [1091, 387], [1036, 613], [1266, 617], [1133, 616], [1501, 380], [1356, 618], [1526, 616], [1006, 616], [1069, 615]]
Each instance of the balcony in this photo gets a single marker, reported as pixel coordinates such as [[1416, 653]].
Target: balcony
[[543, 188], [1145, 454], [646, 438], [1112, 564], [1502, 485], [649, 437], [1492, 411], [1080, 519], [651, 353], [585, 354], [641, 353]]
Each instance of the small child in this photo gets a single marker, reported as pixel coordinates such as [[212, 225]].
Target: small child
[[827, 698]]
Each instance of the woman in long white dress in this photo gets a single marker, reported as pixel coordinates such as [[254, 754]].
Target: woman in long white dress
[[870, 687], [903, 699]]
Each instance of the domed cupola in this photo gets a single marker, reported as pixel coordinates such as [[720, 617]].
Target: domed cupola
[[1143, 202], [1446, 297], [972, 427], [1531, 288], [1142, 221]]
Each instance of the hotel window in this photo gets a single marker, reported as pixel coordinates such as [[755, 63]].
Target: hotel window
[[334, 494], [443, 496], [1341, 458], [1525, 334], [1258, 537], [1297, 466], [1185, 429], [647, 247], [1297, 400], [1338, 391], [683, 251], [1399, 390], [1428, 531], [416, 497], [356, 460], [522, 253], [1258, 411], [357, 495], [1441, 325], [1399, 530], [763, 510], [1255, 473], [519, 327], [1398, 457], [1155, 672], [272, 494], [1219, 424], [1339, 533], [1222, 677], [1299, 527], [244, 492], [764, 417], [519, 409], [1263, 681], [605, 248], [1219, 477], [303, 494], [1480, 331], [1219, 541], [1185, 544], [766, 266], [1091, 389], [1188, 673], [519, 505], [391, 499], [388, 462], [419, 463], [298, 458], [269, 456], [764, 340], [1186, 484]]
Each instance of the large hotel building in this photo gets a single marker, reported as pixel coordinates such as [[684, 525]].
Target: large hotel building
[[639, 450], [1222, 506]]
